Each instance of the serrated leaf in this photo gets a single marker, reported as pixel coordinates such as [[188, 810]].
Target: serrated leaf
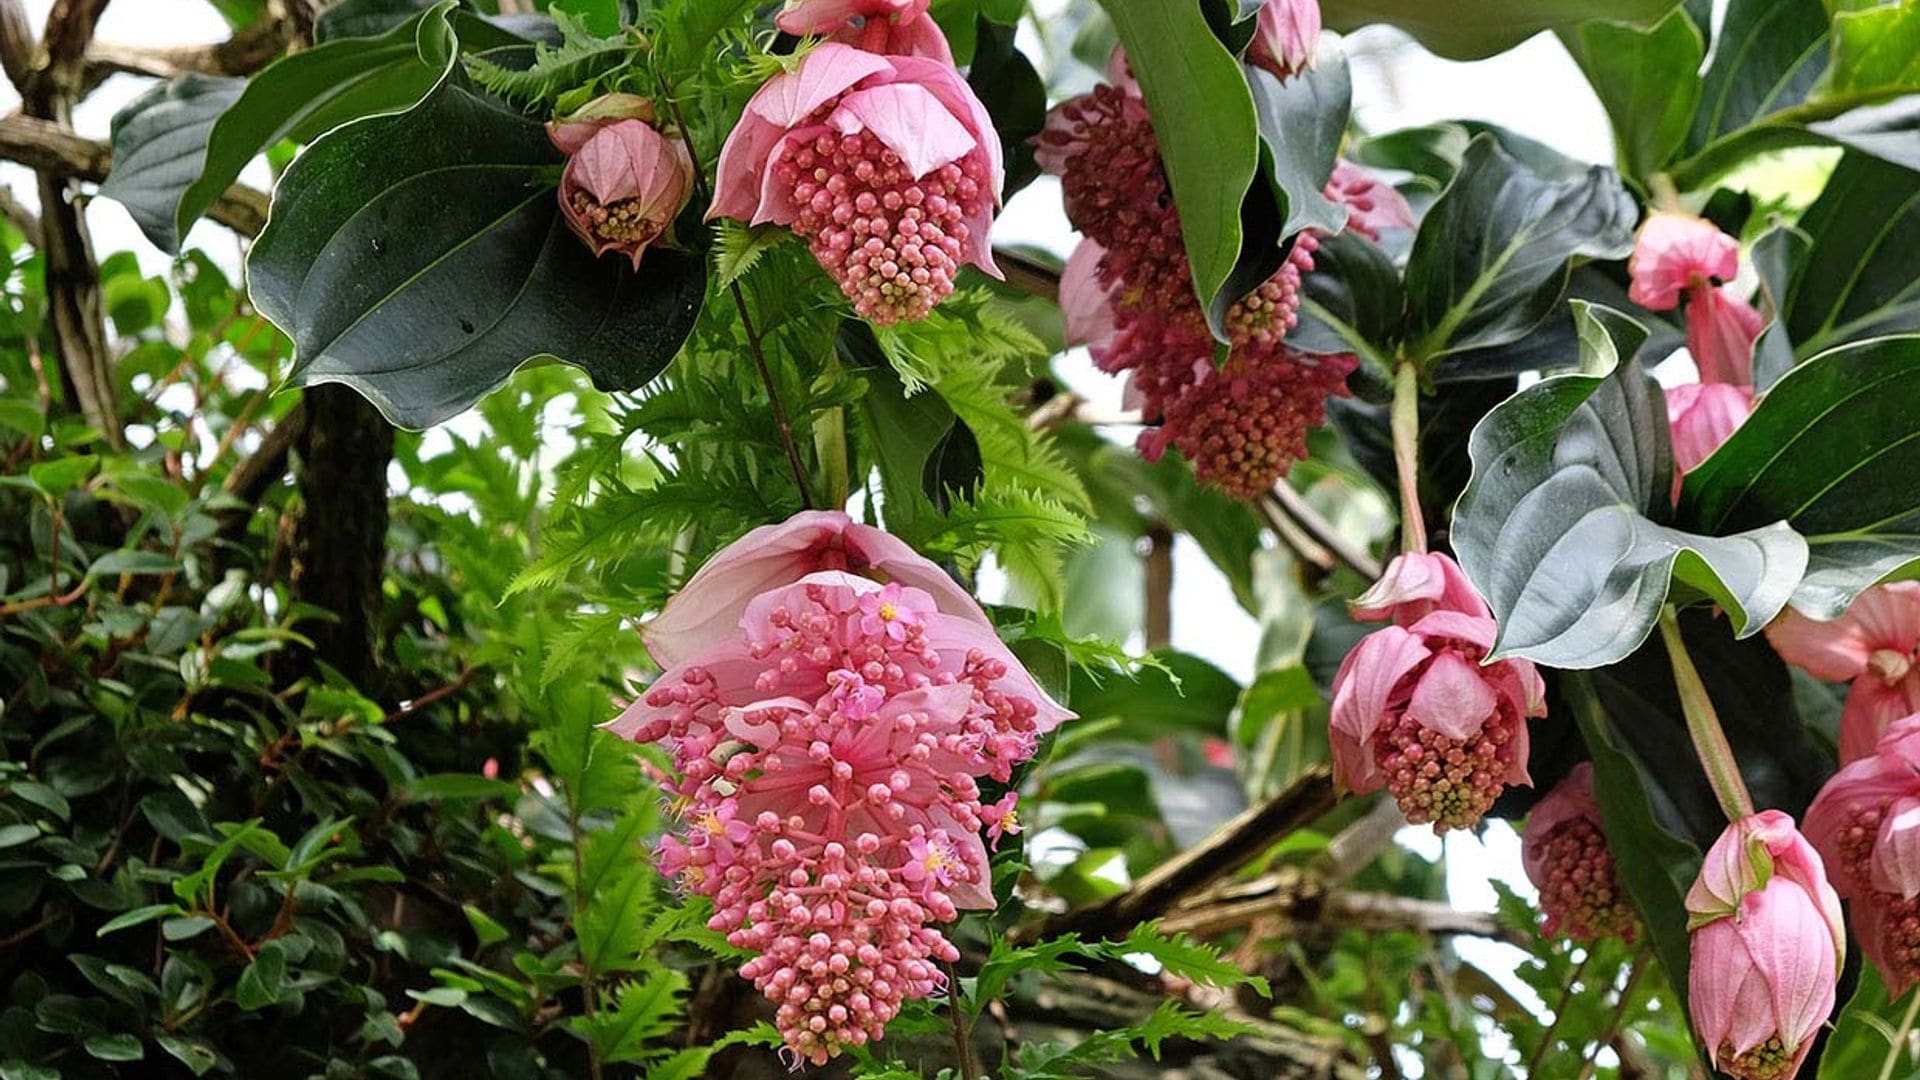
[[425, 304], [1831, 449], [1561, 530], [645, 1009], [1491, 258]]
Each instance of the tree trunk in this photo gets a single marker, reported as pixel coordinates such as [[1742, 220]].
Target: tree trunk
[[339, 548]]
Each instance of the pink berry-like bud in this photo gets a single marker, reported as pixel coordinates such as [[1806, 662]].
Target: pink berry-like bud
[[888, 166], [1566, 857], [1866, 825], [624, 181], [1285, 37], [1766, 951]]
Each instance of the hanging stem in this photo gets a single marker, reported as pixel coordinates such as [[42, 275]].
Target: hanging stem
[[1406, 454], [956, 1012], [1559, 1013], [1588, 1061], [1900, 1039], [1703, 723]]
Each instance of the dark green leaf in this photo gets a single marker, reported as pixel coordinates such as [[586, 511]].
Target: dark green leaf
[[1471, 29], [1860, 276], [195, 1054], [263, 981], [1015, 96], [1302, 122], [460, 786], [1190, 694], [1204, 117], [1859, 1046], [136, 917], [1889, 131], [1832, 449], [953, 467], [424, 303], [1647, 79], [1560, 527], [1491, 258], [1352, 301], [178, 147], [1768, 57], [120, 1047]]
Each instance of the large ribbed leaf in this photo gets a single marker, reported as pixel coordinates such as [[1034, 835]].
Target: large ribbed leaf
[[1860, 276], [1561, 527], [1833, 450], [1470, 29], [1769, 56], [421, 257], [1203, 115], [178, 146], [1648, 80], [1492, 256]]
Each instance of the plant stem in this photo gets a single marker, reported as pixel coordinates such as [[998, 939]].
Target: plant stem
[[1406, 454], [1900, 1038], [830, 445], [956, 1013], [1559, 1013], [1588, 1061], [1703, 723], [773, 398], [591, 1007]]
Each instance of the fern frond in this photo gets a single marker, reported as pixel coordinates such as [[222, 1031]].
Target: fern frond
[[580, 59]]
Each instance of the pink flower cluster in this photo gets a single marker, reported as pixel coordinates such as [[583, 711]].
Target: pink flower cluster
[[876, 151], [1415, 709], [1565, 853], [1866, 825], [1128, 294], [1876, 646], [1766, 949], [830, 700]]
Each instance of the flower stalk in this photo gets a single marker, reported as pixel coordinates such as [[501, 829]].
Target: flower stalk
[[1406, 454], [1703, 724]]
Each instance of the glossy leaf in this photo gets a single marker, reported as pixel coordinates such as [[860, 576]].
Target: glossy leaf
[[1302, 123], [1860, 275], [1471, 29], [424, 303], [1832, 449], [1648, 80], [1352, 300], [1768, 56], [1016, 98], [1491, 258], [1876, 48], [1861, 1043], [1203, 115], [1561, 528], [177, 147]]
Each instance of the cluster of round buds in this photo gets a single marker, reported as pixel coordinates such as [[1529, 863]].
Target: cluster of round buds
[[826, 748], [1416, 711], [624, 181], [1128, 297], [1566, 857], [1866, 825], [888, 166]]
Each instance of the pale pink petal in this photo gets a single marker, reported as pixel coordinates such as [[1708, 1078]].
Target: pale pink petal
[[1672, 252], [1083, 300], [1896, 851], [945, 83], [1362, 691], [804, 17], [707, 610], [827, 72], [954, 637], [1451, 698], [1373, 205], [1416, 583], [879, 550], [741, 172], [910, 120], [1721, 329], [1785, 934], [1702, 416], [1870, 708], [729, 664], [1722, 985], [1832, 651], [775, 201], [1285, 36]]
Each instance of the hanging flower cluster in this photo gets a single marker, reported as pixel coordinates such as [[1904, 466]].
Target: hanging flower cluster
[[1128, 294], [1866, 825], [1766, 949], [830, 700], [1416, 711], [1565, 854], [624, 181], [875, 150], [1875, 645]]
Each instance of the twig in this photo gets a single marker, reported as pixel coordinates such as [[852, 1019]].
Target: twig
[[24, 933], [1559, 1012], [1301, 512], [962, 1044], [242, 54], [441, 693], [1588, 1061], [1231, 846], [1159, 586], [1030, 276], [773, 398], [1354, 848], [47, 147]]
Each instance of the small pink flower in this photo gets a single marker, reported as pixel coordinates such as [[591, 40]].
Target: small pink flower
[[624, 182], [491, 769], [889, 166], [1285, 37], [1565, 853], [932, 861], [1002, 819], [1767, 948], [1866, 825], [1875, 645], [1373, 205], [856, 698], [897, 27], [886, 614], [1677, 252]]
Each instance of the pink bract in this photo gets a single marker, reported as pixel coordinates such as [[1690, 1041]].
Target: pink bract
[[1675, 252], [1874, 645], [1701, 417], [1766, 950], [1285, 36], [898, 27], [1564, 850], [889, 166], [1416, 584], [1721, 330], [1866, 825], [624, 182]]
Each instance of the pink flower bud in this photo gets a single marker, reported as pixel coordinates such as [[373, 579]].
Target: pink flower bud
[[1676, 252], [895, 27], [1866, 825], [1417, 713], [624, 182], [1415, 585], [889, 166], [1702, 416], [1875, 644], [1767, 948], [1285, 37], [1565, 853]]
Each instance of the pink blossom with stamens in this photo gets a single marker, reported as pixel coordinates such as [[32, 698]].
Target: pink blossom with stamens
[[888, 166], [1866, 825], [1002, 818], [624, 181], [826, 757]]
